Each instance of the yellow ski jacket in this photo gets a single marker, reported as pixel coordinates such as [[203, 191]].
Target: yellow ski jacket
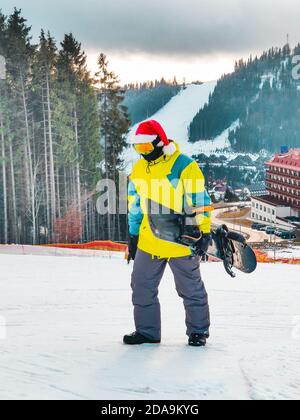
[[175, 182]]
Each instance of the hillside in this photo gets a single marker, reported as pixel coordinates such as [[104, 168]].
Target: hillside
[[146, 100], [252, 112], [215, 156], [63, 318], [263, 96], [176, 117]]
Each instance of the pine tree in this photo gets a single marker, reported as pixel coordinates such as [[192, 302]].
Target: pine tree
[[82, 121], [45, 90], [114, 127], [19, 52]]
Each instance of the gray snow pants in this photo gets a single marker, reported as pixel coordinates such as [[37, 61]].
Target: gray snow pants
[[146, 277]]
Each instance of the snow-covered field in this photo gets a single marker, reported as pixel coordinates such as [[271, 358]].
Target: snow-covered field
[[64, 319], [292, 252]]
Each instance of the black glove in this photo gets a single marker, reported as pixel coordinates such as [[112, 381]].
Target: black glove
[[132, 247], [203, 244]]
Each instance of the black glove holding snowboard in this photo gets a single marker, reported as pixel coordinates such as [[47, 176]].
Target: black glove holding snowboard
[[203, 244], [132, 247]]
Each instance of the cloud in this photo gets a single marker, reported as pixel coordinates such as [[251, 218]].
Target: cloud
[[167, 27]]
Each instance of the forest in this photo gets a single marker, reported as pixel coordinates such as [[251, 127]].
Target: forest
[[145, 99], [263, 96], [62, 129]]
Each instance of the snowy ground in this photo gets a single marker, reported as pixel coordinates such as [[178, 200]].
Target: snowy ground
[[65, 318], [291, 252], [56, 252]]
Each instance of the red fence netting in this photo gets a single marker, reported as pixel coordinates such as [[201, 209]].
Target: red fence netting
[[95, 245]]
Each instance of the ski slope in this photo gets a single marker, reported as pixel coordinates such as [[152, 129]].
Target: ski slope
[[179, 112], [176, 117], [62, 320]]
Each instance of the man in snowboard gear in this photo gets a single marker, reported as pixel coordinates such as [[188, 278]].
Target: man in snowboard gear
[[167, 178]]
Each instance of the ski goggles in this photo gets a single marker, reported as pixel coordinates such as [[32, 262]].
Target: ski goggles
[[144, 148]]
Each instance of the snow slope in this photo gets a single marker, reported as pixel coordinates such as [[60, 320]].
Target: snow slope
[[65, 318], [217, 146], [177, 115]]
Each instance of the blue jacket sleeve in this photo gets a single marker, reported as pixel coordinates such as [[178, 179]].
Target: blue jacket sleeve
[[135, 214]]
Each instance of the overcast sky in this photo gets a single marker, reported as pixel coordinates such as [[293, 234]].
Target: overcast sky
[[199, 39]]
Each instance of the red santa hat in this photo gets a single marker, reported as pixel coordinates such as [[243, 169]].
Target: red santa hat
[[148, 131]]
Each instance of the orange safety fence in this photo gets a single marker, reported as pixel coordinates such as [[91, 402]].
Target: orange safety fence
[[95, 245]]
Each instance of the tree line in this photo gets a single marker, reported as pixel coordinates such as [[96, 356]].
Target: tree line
[[151, 84], [262, 94], [62, 129], [145, 99]]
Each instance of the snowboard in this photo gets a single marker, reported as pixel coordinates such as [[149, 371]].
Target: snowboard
[[227, 246]]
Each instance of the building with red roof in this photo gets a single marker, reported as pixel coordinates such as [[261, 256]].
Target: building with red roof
[[283, 178], [283, 189]]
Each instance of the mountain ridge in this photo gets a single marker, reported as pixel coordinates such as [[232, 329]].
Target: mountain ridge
[[263, 95]]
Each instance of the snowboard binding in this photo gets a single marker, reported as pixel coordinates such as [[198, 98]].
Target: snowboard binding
[[225, 244], [223, 238]]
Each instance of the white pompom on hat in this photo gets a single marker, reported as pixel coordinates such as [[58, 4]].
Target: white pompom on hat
[[148, 131]]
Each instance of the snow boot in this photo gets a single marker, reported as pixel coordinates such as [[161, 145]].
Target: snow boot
[[137, 338], [198, 340]]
